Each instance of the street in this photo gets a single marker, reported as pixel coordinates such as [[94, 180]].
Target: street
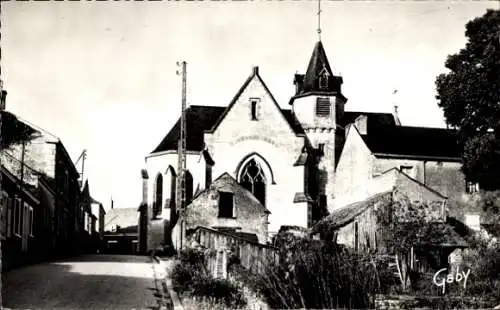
[[86, 282]]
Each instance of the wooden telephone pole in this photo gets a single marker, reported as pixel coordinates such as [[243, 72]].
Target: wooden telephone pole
[[181, 164]]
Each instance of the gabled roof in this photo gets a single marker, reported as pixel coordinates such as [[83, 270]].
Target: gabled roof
[[345, 215], [255, 74], [206, 118], [419, 142], [225, 182]]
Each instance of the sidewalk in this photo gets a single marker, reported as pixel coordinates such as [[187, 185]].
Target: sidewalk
[[163, 272]]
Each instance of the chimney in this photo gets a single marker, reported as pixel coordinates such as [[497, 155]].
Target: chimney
[[256, 70], [145, 178], [2, 101]]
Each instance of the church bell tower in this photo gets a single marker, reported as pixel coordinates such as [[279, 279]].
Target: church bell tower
[[318, 104]]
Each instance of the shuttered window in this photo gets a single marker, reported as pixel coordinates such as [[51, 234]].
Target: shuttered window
[[323, 107]]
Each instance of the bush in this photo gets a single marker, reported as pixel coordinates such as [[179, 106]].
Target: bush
[[190, 277], [315, 275]]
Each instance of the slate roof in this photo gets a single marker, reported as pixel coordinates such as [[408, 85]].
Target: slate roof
[[413, 141], [125, 218], [317, 63], [202, 118], [198, 119]]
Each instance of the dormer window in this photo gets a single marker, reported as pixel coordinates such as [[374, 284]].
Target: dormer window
[[323, 81], [323, 107]]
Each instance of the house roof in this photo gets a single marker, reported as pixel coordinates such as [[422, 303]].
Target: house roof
[[15, 130], [125, 218], [226, 182], [412, 141], [345, 215]]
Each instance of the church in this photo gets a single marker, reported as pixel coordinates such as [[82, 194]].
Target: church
[[297, 164]]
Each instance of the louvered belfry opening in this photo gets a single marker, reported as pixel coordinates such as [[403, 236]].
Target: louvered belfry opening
[[253, 179], [323, 107]]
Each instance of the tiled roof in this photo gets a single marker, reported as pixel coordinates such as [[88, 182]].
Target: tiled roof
[[413, 141], [202, 118]]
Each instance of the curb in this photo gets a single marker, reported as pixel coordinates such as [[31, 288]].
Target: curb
[[167, 285]]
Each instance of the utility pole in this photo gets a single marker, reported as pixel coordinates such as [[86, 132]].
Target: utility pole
[[181, 164], [2, 107]]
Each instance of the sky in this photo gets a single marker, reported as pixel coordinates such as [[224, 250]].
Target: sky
[[102, 75]]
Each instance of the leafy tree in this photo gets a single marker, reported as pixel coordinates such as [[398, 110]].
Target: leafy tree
[[469, 94]]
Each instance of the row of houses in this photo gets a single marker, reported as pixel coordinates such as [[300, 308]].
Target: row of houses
[[47, 211]]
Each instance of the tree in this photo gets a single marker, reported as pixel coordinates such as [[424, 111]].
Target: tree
[[469, 95]]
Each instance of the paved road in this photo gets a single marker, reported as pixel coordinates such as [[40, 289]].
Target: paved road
[[87, 282]]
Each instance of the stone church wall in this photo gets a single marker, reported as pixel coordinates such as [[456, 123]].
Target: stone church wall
[[272, 142]]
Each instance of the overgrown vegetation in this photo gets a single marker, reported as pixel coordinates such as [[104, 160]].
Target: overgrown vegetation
[[192, 281], [316, 275]]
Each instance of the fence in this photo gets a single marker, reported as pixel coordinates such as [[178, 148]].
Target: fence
[[251, 255]]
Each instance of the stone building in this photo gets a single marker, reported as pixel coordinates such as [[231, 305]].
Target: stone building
[[228, 206], [297, 162]]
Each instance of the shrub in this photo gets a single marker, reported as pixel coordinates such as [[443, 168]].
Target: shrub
[[317, 275], [190, 277]]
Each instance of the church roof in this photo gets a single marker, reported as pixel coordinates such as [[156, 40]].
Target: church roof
[[374, 119], [318, 65], [198, 119], [202, 118], [408, 141]]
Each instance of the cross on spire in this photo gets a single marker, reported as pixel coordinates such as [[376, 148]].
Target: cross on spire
[[319, 20]]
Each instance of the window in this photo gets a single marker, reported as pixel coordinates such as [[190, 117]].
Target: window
[[356, 236], [158, 194], [472, 187], [226, 204], [253, 105], [9, 217], [3, 202], [321, 148], [17, 217], [323, 81], [30, 220], [323, 107], [254, 181]]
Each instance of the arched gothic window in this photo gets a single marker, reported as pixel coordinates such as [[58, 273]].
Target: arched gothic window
[[252, 178], [158, 195]]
